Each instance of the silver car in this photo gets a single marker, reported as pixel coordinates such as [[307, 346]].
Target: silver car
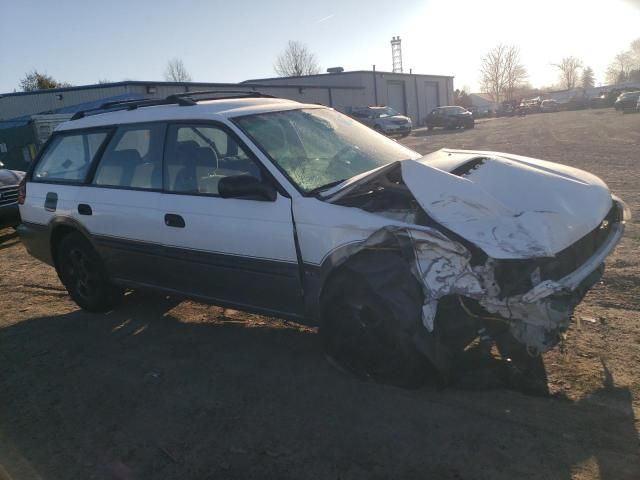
[[384, 120]]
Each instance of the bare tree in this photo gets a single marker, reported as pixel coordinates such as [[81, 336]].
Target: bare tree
[[501, 72], [515, 73], [296, 60], [569, 71], [618, 70], [176, 71], [634, 53]]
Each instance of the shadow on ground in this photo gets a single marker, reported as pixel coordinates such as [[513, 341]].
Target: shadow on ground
[[137, 394]]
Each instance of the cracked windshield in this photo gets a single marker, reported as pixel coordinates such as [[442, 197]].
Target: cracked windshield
[[318, 148]]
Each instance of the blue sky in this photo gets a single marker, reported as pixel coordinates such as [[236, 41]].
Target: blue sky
[[224, 41]]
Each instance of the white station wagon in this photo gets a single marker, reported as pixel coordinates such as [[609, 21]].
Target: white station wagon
[[298, 211]]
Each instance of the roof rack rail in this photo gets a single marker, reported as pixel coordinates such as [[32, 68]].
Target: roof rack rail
[[182, 99], [213, 94]]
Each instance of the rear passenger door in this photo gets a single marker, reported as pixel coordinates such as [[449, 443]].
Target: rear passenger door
[[234, 250], [121, 206]]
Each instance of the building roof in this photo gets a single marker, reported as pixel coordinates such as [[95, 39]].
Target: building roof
[[203, 110], [188, 86], [484, 96], [335, 74]]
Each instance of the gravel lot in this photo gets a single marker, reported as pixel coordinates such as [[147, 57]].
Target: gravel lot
[[161, 389]]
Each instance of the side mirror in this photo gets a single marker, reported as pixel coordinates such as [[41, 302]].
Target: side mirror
[[246, 187]]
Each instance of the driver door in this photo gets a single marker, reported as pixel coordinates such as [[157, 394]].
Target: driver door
[[236, 251]]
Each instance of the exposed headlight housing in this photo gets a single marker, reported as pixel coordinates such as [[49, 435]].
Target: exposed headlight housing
[[626, 211]]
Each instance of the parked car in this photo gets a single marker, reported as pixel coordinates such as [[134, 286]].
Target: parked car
[[297, 211], [505, 109], [450, 117], [601, 101], [549, 106], [627, 101], [531, 106], [384, 119], [9, 180]]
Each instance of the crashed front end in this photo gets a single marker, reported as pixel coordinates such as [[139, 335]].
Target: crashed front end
[[531, 291]]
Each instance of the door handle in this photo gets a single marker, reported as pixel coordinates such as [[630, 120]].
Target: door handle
[[84, 209], [173, 220]]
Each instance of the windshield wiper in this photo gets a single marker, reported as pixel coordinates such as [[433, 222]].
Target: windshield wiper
[[326, 186]]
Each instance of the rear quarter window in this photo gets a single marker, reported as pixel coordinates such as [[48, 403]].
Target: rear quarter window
[[68, 157]]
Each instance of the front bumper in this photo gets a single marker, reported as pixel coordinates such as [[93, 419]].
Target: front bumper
[[539, 317], [9, 215], [391, 129]]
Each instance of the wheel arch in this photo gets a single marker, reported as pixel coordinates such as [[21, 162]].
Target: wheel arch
[[318, 277], [60, 227]]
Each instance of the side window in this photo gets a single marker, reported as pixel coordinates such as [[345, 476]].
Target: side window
[[133, 158], [68, 157], [198, 156]]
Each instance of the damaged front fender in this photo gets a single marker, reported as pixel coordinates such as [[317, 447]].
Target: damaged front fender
[[443, 267]]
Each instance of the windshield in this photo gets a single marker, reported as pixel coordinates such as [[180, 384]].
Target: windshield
[[386, 112], [318, 148]]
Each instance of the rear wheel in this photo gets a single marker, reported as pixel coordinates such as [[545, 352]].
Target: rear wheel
[[368, 335], [83, 274]]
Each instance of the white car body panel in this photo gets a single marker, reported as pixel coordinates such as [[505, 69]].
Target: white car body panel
[[322, 227], [510, 207], [120, 213], [33, 208], [231, 226]]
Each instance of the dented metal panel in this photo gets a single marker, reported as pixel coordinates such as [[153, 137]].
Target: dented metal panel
[[511, 209], [451, 205]]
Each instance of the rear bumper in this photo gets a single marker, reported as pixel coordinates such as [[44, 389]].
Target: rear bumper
[[36, 240]]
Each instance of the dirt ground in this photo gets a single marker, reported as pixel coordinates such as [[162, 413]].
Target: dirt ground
[[161, 389]]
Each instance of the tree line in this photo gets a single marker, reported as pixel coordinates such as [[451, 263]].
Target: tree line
[[502, 74]]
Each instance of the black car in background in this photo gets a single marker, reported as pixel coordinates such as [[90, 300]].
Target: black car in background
[[9, 180], [627, 101], [450, 117]]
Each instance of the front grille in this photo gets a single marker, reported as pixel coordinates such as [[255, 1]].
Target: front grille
[[515, 277], [399, 121], [8, 195]]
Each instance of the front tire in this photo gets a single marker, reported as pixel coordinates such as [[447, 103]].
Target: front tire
[[83, 274], [367, 334]]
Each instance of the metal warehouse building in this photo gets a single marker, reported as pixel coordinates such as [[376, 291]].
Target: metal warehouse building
[[27, 118]]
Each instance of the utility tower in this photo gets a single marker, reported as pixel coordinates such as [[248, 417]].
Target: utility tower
[[396, 54]]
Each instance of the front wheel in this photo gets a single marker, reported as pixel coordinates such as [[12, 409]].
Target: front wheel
[[363, 332], [82, 273]]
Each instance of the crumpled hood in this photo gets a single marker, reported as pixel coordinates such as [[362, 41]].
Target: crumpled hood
[[509, 206], [10, 177]]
